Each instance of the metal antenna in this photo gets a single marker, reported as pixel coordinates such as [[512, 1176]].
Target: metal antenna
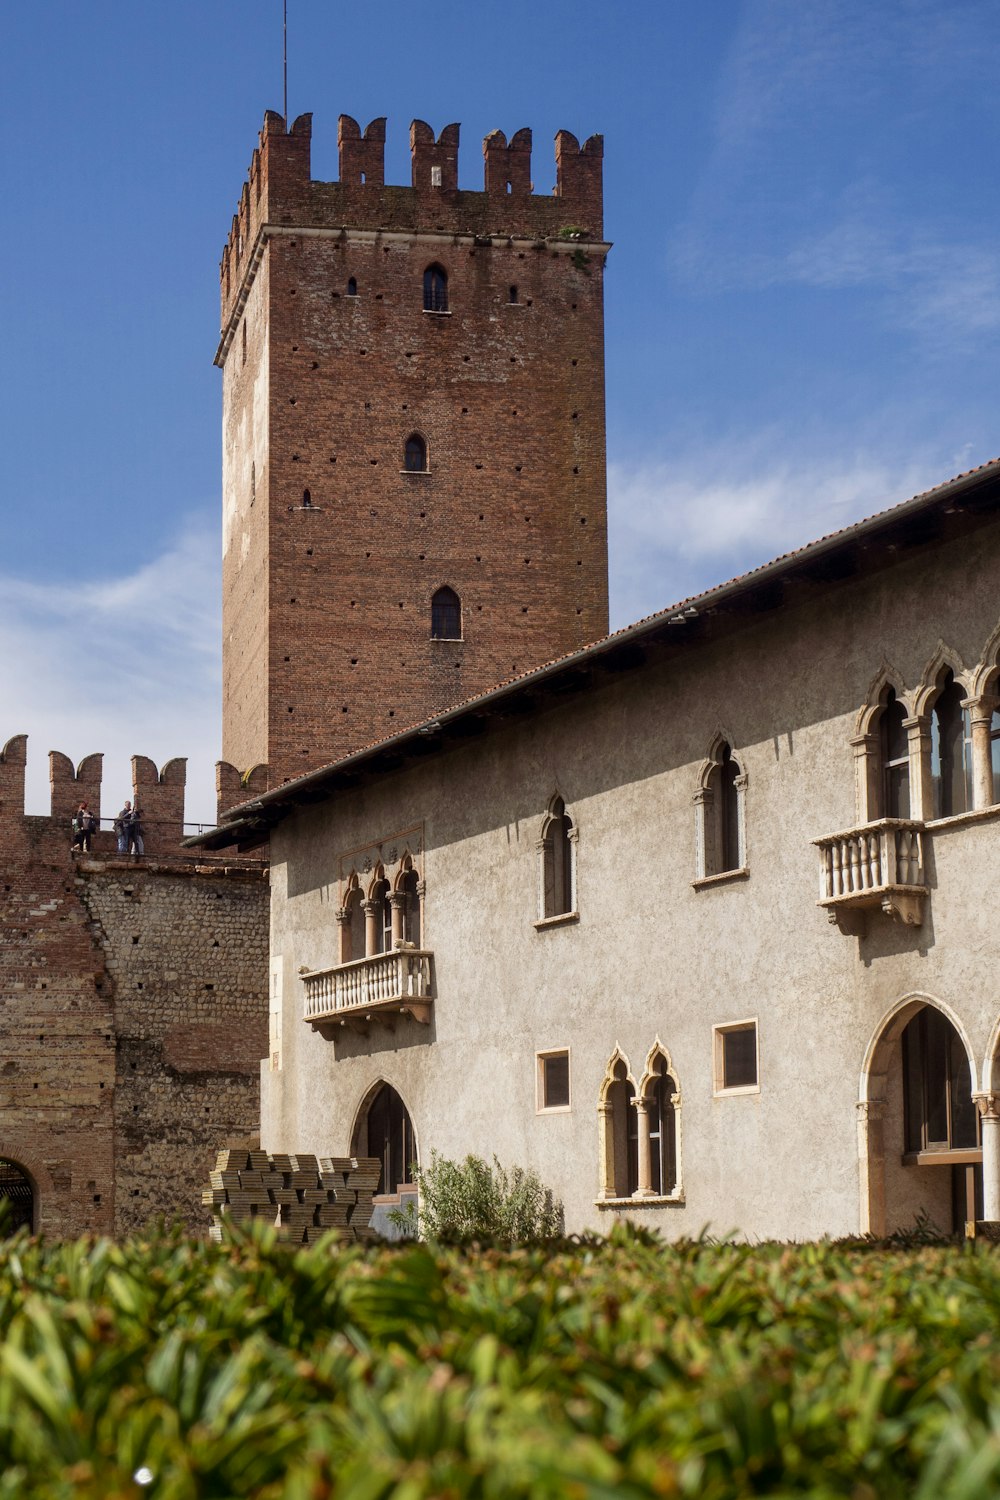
[[284, 38]]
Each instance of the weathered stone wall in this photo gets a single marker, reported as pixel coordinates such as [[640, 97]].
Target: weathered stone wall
[[185, 948], [133, 1005]]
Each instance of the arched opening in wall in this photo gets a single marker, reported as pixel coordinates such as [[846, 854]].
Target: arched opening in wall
[[381, 911], [894, 759], [352, 945], [558, 882], [660, 1095], [951, 749], [408, 888], [384, 1130], [446, 616], [720, 804], [415, 454], [17, 1198], [621, 1124], [435, 289], [921, 1149]]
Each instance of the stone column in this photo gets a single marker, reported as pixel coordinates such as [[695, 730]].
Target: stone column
[[918, 732], [871, 1163], [343, 915], [606, 1147], [397, 902], [372, 913], [866, 776], [645, 1188], [704, 832], [981, 719], [989, 1119]]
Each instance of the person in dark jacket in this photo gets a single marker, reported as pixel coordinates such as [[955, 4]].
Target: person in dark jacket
[[84, 824]]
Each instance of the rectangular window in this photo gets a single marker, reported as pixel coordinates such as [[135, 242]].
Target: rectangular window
[[736, 1058], [553, 1081]]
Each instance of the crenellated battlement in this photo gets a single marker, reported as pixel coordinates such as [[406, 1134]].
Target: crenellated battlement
[[279, 190], [158, 795]]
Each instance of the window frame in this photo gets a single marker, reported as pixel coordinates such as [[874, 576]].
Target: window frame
[[541, 1058], [720, 1031], [435, 289], [446, 588]]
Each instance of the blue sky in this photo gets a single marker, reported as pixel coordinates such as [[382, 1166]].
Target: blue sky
[[803, 301]]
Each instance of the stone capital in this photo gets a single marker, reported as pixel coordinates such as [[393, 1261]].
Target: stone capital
[[988, 1105]]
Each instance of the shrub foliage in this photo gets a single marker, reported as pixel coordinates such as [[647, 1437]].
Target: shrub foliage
[[609, 1370], [471, 1200]]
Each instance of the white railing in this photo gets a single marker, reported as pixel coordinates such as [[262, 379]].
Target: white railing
[[402, 977], [868, 861]]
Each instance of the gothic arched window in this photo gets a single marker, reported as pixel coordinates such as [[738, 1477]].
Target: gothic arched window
[[951, 750], [558, 873], [894, 750]]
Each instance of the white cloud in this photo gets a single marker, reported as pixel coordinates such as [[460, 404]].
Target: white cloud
[[679, 528], [126, 666]]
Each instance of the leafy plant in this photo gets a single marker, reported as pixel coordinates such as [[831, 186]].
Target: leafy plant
[[472, 1200]]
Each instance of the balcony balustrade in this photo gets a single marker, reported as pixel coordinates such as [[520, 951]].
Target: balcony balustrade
[[385, 985], [879, 865]]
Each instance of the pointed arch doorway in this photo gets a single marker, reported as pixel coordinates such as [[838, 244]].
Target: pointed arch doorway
[[384, 1129]]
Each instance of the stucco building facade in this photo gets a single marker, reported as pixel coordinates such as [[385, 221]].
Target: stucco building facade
[[697, 921]]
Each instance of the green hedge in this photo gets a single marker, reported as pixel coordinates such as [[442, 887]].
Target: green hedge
[[612, 1369]]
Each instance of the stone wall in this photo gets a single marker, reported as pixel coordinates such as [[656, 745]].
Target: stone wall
[[133, 1004], [185, 949]]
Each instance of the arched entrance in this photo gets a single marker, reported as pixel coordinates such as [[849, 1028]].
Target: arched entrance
[[920, 1141], [17, 1198], [384, 1129]]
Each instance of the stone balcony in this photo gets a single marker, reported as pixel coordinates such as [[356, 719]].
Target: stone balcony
[[382, 987], [877, 866]]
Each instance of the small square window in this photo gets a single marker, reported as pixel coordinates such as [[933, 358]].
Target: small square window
[[553, 1080], [736, 1062]]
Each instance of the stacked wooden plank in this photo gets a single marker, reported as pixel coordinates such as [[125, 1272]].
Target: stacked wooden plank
[[304, 1196]]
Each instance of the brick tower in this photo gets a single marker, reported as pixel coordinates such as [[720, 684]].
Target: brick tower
[[414, 502]]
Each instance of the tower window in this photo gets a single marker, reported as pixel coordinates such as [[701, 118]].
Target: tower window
[[513, 294], [435, 289], [352, 287], [415, 454], [446, 616]]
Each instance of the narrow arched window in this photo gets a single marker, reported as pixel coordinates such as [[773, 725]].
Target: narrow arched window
[[435, 289], [995, 753], [951, 750], [660, 1095], [895, 759], [624, 1125], [446, 616], [352, 286], [729, 813], [557, 855], [410, 892], [415, 454], [382, 913]]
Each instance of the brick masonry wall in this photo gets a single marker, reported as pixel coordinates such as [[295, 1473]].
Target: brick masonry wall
[[185, 950], [133, 1005], [57, 1047], [327, 605]]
